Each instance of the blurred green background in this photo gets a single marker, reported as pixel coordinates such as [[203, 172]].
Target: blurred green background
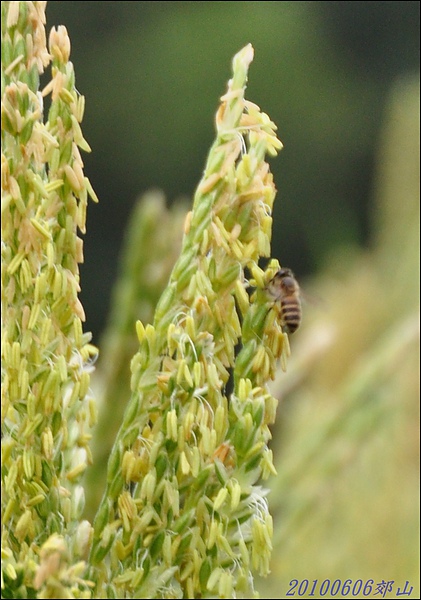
[[153, 72], [341, 80]]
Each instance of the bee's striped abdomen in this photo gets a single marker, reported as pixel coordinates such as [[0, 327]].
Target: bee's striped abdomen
[[291, 313]]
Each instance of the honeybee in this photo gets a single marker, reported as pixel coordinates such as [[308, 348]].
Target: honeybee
[[283, 287]]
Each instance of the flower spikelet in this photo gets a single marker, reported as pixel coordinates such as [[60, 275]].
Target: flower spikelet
[[182, 515]]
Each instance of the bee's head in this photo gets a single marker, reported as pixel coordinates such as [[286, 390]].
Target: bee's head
[[284, 272], [286, 280]]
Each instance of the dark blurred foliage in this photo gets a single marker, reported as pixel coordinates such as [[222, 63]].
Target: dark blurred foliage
[[152, 74]]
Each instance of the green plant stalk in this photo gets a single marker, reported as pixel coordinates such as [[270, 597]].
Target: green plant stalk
[[143, 275], [182, 515], [47, 408]]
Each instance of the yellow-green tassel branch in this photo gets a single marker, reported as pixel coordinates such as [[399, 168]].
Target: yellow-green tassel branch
[[47, 408], [182, 515]]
